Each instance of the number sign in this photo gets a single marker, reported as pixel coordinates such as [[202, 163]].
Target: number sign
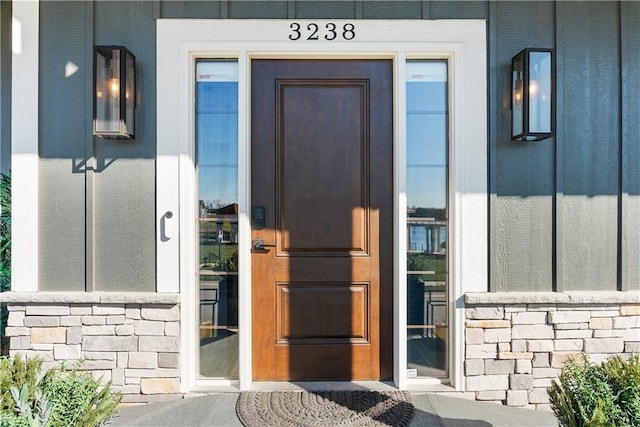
[[330, 31]]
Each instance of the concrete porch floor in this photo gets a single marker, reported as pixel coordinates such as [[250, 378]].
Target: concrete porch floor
[[430, 410]]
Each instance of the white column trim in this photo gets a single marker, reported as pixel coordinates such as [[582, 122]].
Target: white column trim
[[461, 42], [244, 221], [167, 179], [24, 147], [400, 225]]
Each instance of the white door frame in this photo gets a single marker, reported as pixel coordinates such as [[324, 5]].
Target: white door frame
[[181, 42]]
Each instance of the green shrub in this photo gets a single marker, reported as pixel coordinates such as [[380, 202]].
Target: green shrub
[[9, 419], [587, 394], [624, 377], [16, 372], [5, 225], [32, 396], [79, 399], [5, 251]]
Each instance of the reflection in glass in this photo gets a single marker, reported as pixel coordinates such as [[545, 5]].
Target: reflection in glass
[[217, 149], [426, 190], [540, 92], [517, 96], [130, 101], [108, 90], [427, 219], [426, 131]]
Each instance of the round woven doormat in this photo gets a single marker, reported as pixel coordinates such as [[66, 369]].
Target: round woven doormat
[[325, 408]]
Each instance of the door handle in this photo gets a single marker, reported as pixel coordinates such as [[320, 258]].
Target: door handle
[[163, 226], [258, 246]]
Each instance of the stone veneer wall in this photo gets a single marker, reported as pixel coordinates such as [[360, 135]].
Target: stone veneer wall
[[516, 343], [131, 340]]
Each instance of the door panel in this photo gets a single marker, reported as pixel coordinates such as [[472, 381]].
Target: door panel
[[344, 307], [322, 167], [327, 146]]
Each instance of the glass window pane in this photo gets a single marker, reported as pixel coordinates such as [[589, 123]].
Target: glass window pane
[[217, 136], [426, 139], [426, 189], [218, 186], [108, 90], [130, 94], [427, 220], [540, 92], [426, 86], [217, 148], [220, 97], [517, 96]]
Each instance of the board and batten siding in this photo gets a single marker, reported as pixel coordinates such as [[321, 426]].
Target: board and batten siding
[[65, 132], [5, 86], [588, 145], [630, 203], [564, 212], [521, 176], [97, 197]]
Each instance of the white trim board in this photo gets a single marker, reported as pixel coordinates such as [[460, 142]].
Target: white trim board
[[24, 146], [181, 42]]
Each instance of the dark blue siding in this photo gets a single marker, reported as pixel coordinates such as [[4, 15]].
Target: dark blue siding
[[564, 212]]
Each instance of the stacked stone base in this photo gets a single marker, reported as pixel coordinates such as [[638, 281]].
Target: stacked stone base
[[516, 343], [132, 341]]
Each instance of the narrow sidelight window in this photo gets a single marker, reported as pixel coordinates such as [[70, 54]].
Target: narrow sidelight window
[[427, 220], [217, 174]]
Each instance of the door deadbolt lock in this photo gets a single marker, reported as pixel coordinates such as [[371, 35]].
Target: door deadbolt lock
[[258, 217]]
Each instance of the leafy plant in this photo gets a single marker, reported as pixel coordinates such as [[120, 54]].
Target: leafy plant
[[5, 250], [587, 394], [219, 257], [38, 411], [5, 228], [428, 262], [32, 396], [624, 378], [80, 399], [16, 372], [8, 419]]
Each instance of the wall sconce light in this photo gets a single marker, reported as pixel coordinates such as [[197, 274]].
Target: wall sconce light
[[114, 100], [532, 93]]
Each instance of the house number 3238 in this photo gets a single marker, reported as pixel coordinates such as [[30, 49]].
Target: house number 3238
[[330, 31]]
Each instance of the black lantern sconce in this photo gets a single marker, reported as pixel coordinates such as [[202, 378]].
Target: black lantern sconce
[[532, 95], [114, 99]]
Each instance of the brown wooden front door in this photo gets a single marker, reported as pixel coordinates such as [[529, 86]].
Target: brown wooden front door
[[322, 169]]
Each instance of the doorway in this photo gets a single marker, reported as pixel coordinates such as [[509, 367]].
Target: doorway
[[322, 219], [182, 43]]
